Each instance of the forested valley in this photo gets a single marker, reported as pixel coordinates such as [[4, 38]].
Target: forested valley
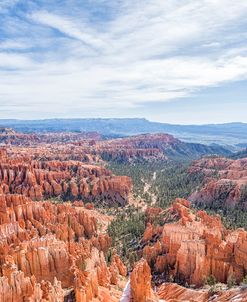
[[158, 184]]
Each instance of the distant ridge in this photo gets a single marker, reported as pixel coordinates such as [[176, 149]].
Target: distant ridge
[[234, 134]]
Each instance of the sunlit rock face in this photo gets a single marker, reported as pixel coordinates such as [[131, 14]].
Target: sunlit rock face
[[225, 182], [65, 166], [48, 248], [195, 246], [68, 180], [159, 146], [93, 148], [188, 248], [51, 248], [11, 137], [51, 245], [171, 292], [140, 282]]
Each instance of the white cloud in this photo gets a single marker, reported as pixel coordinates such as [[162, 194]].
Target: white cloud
[[69, 28], [14, 61], [149, 52], [9, 44]]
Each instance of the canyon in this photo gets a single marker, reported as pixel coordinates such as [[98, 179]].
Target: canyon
[[67, 179], [58, 198], [195, 245], [53, 242], [225, 182], [50, 251], [187, 251], [142, 147]]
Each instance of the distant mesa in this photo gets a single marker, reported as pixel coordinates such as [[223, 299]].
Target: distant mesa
[[232, 134], [159, 146]]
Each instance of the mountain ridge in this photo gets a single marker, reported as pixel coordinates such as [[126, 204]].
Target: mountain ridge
[[232, 133]]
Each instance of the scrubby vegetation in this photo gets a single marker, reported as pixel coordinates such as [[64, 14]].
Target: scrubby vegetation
[[126, 231], [232, 217], [166, 180], [169, 180], [158, 184]]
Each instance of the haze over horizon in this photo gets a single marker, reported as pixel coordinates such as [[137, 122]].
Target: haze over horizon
[[179, 62], [118, 118]]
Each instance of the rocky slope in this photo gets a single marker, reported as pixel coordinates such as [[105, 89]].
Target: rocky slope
[[141, 290], [87, 146], [140, 283], [57, 251], [174, 293], [68, 180], [225, 183], [53, 243], [155, 146], [9, 136], [193, 247], [49, 252], [190, 247]]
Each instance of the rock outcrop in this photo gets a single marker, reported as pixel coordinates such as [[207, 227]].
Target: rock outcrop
[[48, 248], [171, 292], [195, 247], [153, 147], [88, 147], [140, 283], [10, 136], [225, 183], [68, 180], [54, 250]]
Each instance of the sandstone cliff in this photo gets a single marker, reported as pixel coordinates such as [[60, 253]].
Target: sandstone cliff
[[48, 249], [140, 282], [225, 182], [68, 180], [194, 247]]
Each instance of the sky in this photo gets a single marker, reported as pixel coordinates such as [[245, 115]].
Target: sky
[[175, 61]]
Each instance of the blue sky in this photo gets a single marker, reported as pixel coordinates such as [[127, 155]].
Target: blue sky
[[177, 61]]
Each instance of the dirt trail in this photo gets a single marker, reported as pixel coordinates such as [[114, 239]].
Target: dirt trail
[[147, 187], [126, 297]]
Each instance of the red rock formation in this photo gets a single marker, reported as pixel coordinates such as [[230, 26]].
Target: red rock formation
[[117, 268], [15, 287], [225, 182], [146, 146], [88, 147], [152, 214], [91, 148], [3, 154], [159, 146], [66, 180], [45, 248], [8, 135], [172, 292], [195, 247], [140, 282]]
